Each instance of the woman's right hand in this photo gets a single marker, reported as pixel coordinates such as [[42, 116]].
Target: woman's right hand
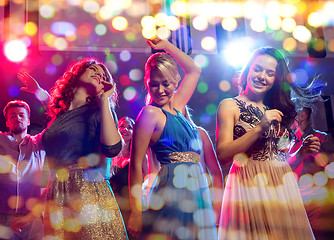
[[135, 224], [270, 117], [31, 85], [157, 43]]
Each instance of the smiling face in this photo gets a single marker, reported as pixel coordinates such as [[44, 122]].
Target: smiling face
[[126, 129], [161, 87], [92, 79], [17, 120], [261, 75]]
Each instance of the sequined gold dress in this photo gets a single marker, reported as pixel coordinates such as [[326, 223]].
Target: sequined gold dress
[[179, 204], [80, 202], [261, 198]]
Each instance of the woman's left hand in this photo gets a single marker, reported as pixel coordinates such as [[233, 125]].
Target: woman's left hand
[[107, 91]]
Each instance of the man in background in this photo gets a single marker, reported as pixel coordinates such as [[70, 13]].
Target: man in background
[[21, 164]]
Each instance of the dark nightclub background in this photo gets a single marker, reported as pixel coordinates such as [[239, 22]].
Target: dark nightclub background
[[56, 33]]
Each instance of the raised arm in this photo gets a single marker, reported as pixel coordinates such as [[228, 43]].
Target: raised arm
[[211, 162], [227, 115], [109, 134], [189, 66], [32, 86], [143, 130]]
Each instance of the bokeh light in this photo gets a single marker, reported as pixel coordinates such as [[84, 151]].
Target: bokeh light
[[13, 91], [16, 50], [173, 23], [258, 24], [205, 118], [136, 74], [288, 24], [63, 28], [148, 22], [163, 33], [179, 8], [201, 60], [30, 28], [224, 85], [160, 19], [200, 23], [51, 69], [91, 6], [130, 94], [229, 24], [315, 19], [47, 11], [302, 34], [120, 23], [202, 87], [274, 22], [101, 29], [209, 43], [299, 78], [289, 44], [125, 55]]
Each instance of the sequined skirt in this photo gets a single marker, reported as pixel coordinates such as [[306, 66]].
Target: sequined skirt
[[179, 203], [80, 206]]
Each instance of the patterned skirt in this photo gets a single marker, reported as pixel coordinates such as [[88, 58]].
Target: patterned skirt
[[81, 205], [179, 204]]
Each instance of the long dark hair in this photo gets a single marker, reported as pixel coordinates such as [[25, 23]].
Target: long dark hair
[[279, 96], [62, 93]]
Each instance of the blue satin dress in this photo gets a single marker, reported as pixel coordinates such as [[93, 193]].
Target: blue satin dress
[[179, 204]]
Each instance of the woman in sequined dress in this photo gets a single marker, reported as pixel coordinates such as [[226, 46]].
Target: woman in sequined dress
[[179, 203], [81, 133], [261, 198]]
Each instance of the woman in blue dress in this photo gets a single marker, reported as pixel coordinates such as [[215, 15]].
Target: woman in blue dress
[[179, 203]]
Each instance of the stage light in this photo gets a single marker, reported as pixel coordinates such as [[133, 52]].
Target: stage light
[[238, 51], [15, 50]]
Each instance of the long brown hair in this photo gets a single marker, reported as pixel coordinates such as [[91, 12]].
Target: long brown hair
[[62, 93], [283, 91]]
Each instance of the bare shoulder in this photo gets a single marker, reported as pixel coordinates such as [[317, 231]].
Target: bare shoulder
[[149, 115], [227, 105]]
